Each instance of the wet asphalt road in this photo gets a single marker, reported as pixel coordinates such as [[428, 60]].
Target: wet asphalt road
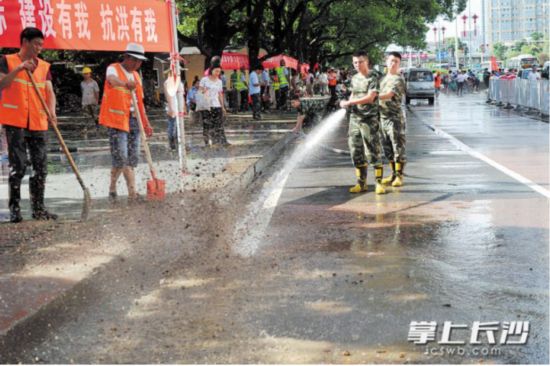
[[460, 242], [337, 278]]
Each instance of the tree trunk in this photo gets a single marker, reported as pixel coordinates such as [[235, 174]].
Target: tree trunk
[[255, 13], [214, 31]]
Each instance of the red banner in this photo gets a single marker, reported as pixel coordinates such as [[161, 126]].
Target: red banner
[[102, 25]]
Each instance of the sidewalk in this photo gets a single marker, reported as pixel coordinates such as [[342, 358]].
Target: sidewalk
[[42, 263], [206, 167]]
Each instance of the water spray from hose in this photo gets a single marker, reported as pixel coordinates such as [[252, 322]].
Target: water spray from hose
[[250, 230]]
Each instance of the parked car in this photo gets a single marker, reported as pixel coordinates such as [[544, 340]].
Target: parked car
[[420, 85]]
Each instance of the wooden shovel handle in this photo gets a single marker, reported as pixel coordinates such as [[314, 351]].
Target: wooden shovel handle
[[143, 137], [56, 130]]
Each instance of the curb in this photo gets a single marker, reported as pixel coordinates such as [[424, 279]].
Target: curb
[[159, 137], [36, 324], [256, 169]]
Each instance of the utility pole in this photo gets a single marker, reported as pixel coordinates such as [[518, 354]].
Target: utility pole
[[176, 70], [456, 41], [470, 36], [483, 31], [436, 44]]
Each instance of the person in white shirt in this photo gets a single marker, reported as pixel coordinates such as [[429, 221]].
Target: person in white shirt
[[265, 90], [173, 109], [533, 75], [212, 119], [309, 84], [460, 80], [255, 90], [323, 83]]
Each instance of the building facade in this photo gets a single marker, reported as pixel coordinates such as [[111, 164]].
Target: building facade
[[509, 21]]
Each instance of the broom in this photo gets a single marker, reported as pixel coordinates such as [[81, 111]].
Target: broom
[[87, 197]]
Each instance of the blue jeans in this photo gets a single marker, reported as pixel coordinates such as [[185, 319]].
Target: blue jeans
[[125, 145], [172, 131]]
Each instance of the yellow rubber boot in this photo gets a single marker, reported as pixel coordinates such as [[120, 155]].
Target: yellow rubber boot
[[398, 181], [361, 186], [379, 188], [389, 179]]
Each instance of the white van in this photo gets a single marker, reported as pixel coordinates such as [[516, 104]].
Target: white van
[[420, 85]]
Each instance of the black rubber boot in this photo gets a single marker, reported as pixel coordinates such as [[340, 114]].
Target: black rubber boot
[[173, 143], [39, 212], [15, 198]]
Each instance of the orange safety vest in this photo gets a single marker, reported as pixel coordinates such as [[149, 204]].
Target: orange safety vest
[[116, 102], [437, 82], [19, 103]]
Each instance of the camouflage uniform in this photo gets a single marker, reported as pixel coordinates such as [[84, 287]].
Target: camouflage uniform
[[364, 125], [392, 120]]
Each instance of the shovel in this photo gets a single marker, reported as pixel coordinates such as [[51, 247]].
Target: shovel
[[87, 197], [155, 187]]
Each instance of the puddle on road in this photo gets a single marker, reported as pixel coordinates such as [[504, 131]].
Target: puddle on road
[[464, 269], [468, 255]]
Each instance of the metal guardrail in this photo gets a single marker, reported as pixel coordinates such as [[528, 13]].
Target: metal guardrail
[[531, 94]]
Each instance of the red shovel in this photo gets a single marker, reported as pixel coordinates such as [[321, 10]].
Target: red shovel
[[156, 188]]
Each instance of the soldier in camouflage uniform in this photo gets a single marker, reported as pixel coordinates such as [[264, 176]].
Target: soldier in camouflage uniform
[[392, 122], [364, 125], [310, 111]]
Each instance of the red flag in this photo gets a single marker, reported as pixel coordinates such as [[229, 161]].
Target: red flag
[[494, 64]]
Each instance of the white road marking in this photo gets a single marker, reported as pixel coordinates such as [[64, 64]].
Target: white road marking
[[462, 146]]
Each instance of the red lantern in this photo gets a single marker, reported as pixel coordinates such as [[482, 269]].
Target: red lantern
[[464, 17], [475, 27]]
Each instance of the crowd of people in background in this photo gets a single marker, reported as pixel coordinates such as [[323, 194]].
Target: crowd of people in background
[[457, 81], [263, 91], [121, 108]]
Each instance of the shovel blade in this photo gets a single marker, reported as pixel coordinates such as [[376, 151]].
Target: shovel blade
[[156, 189]]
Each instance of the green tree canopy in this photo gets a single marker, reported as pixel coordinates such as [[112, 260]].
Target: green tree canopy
[[500, 50], [324, 31]]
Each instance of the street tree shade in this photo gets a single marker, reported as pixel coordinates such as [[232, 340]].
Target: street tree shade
[[314, 31]]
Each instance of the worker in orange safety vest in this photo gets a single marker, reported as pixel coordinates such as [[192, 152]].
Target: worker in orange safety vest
[[26, 122], [118, 114]]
